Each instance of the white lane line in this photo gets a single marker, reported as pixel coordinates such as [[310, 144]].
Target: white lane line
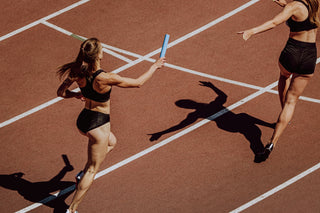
[[276, 189], [55, 27], [238, 83], [33, 110], [43, 19], [66, 32], [29, 112], [211, 24], [48, 199], [158, 145]]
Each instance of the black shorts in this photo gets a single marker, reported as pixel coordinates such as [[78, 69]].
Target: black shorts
[[299, 57], [89, 120]]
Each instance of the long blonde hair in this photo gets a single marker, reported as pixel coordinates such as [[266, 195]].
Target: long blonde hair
[[88, 53], [314, 11]]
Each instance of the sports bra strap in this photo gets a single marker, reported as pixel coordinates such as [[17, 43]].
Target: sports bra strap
[[303, 3]]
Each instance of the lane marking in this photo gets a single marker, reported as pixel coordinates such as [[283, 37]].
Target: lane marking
[[211, 24], [276, 189], [66, 32], [48, 199], [15, 32], [33, 110]]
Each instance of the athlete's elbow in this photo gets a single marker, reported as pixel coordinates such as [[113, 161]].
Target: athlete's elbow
[[274, 24], [139, 83]]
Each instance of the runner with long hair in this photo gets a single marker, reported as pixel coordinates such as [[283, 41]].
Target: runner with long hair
[[94, 120]]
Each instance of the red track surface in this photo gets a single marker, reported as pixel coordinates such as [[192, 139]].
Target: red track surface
[[210, 169]]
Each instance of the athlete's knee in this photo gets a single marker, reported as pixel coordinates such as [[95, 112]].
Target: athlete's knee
[[93, 167], [291, 98], [112, 140]]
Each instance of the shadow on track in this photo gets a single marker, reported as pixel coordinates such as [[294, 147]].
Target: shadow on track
[[231, 122], [40, 192]]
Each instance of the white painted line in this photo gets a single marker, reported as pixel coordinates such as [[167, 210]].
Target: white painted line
[[55, 27], [66, 32], [33, 110], [211, 24], [43, 19], [276, 189], [48, 199], [309, 99], [121, 51], [110, 52], [29, 112]]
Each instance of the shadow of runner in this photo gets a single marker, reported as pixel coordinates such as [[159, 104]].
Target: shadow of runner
[[231, 122], [40, 192]]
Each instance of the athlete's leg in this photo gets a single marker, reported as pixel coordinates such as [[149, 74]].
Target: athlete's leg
[[112, 142], [97, 150], [283, 84], [297, 86]]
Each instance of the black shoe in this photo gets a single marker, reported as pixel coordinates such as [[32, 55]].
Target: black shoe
[[78, 177]]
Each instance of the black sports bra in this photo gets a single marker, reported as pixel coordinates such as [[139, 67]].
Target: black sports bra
[[90, 93], [298, 26]]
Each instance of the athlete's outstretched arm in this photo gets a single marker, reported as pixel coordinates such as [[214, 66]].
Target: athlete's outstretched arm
[[283, 16], [112, 79]]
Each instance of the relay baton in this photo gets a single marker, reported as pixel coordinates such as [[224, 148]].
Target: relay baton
[[164, 45]]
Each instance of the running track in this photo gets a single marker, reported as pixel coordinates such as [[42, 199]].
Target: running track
[[203, 166]]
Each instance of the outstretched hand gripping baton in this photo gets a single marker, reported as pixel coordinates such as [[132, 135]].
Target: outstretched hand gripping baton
[[164, 45]]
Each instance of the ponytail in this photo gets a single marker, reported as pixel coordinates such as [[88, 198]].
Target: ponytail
[[314, 12], [72, 69], [86, 62]]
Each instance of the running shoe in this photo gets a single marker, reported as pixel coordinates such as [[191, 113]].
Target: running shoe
[[78, 177]]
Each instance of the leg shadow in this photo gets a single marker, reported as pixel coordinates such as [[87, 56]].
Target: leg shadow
[[246, 125], [40, 192]]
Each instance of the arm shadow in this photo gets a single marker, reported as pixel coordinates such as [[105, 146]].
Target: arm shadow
[[229, 121]]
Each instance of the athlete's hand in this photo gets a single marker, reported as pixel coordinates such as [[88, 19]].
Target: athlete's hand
[[246, 34], [160, 62], [80, 96]]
